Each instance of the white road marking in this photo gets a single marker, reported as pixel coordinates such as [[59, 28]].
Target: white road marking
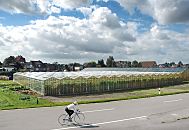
[[174, 114], [102, 123], [173, 100], [98, 110]]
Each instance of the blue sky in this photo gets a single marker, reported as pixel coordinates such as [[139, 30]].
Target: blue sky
[[88, 30]]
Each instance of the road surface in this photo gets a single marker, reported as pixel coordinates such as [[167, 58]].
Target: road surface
[[157, 113]]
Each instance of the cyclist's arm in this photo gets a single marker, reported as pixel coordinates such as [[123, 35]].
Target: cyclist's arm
[[75, 108]]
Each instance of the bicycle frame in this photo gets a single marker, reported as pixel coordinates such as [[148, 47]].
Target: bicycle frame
[[75, 116]]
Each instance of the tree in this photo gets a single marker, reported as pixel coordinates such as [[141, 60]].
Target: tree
[[172, 64], [67, 68], [140, 64], [77, 64], [18, 65], [129, 64], [167, 65], [135, 63], [9, 61], [110, 62], [1, 64], [180, 64], [90, 64], [101, 63]]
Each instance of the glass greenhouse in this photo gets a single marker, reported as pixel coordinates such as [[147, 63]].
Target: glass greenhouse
[[88, 81]]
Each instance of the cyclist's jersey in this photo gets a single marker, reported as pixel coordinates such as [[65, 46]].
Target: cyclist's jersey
[[72, 107]]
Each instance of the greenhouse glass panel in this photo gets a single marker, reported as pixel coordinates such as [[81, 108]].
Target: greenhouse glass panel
[[88, 82]]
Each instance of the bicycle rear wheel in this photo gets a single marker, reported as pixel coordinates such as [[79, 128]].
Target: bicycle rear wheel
[[63, 119], [79, 118]]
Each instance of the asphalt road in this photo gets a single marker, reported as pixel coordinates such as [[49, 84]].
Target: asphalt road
[[157, 113]]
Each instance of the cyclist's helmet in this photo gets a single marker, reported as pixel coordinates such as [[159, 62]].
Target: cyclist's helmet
[[75, 103]]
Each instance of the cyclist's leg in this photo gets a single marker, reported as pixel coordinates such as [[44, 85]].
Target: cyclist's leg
[[70, 112]]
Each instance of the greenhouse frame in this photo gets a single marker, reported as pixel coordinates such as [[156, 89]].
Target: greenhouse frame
[[101, 81]]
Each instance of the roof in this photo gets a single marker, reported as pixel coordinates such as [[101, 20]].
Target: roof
[[20, 59], [137, 69], [148, 63], [85, 74]]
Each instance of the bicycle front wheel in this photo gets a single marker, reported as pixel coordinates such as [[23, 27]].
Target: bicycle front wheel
[[63, 119], [79, 118]]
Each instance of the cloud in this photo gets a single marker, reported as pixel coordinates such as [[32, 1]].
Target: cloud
[[102, 33], [41, 7], [70, 4], [86, 10], [103, 0], [68, 37], [27, 7], [159, 33], [55, 10], [164, 11]]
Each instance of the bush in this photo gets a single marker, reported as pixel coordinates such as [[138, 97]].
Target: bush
[[24, 98], [4, 77], [18, 88]]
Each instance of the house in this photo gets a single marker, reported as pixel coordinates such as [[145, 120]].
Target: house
[[53, 67], [123, 64], [74, 67], [7, 69], [186, 66], [20, 60], [148, 64], [78, 68], [36, 66]]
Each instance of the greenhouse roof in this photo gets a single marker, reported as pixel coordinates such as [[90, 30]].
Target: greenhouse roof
[[179, 69], [84, 74]]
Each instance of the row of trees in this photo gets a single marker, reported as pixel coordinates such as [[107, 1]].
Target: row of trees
[[180, 64], [12, 61], [18, 63], [110, 62]]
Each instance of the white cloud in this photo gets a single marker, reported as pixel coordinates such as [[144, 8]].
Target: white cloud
[[55, 10], [160, 44], [103, 0], [99, 35], [70, 4], [42, 7], [27, 7], [159, 33], [68, 37], [86, 10], [164, 11]]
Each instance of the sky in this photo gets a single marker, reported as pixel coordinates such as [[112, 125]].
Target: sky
[[66, 31]]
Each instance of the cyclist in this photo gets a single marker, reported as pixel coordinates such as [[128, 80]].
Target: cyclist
[[71, 108]]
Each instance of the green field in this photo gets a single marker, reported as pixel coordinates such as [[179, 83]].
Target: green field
[[12, 98]]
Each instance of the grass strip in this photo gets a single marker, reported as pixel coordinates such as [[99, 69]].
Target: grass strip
[[11, 100]]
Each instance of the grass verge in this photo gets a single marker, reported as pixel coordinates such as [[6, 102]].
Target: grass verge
[[11, 98]]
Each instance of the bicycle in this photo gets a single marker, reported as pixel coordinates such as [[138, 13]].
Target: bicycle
[[78, 117]]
